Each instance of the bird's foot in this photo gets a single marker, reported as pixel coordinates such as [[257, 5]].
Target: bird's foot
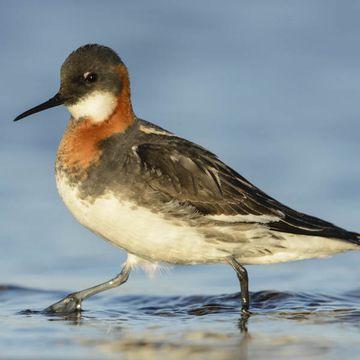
[[68, 305], [243, 322], [245, 312]]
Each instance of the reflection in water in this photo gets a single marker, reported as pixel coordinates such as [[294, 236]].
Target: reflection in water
[[282, 324]]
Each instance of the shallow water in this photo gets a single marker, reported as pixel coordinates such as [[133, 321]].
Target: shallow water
[[282, 325]]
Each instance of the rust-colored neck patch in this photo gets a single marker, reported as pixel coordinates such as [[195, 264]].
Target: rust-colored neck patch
[[79, 146]]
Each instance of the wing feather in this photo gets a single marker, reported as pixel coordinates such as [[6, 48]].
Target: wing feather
[[183, 171]]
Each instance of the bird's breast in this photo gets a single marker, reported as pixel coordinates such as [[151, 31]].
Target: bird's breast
[[79, 147], [136, 228]]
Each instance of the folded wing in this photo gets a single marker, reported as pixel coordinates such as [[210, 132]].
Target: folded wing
[[190, 174]]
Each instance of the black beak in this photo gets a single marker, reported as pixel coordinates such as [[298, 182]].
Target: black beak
[[54, 101]]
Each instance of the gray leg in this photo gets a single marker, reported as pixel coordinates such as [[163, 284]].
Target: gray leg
[[244, 283], [72, 302]]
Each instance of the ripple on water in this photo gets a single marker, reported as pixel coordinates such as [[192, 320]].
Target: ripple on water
[[288, 304], [191, 326]]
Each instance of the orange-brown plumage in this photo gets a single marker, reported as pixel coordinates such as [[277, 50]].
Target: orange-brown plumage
[[79, 146]]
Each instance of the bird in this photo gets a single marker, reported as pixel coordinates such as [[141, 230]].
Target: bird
[[161, 198]]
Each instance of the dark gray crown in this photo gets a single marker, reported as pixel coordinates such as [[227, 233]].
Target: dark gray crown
[[91, 58]]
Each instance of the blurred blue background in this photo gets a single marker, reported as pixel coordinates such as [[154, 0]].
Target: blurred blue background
[[272, 87]]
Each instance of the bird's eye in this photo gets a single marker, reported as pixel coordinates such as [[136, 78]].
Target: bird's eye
[[90, 77]]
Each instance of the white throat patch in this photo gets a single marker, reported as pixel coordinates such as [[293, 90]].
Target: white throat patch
[[98, 106]]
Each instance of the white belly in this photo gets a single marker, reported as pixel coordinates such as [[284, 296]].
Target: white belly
[[138, 230], [152, 236]]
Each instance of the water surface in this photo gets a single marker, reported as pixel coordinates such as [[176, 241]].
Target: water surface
[[283, 325]]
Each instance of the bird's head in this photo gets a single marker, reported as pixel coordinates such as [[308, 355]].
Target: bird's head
[[92, 79]]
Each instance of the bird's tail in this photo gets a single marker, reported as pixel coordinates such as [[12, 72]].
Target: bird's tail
[[358, 239], [352, 237]]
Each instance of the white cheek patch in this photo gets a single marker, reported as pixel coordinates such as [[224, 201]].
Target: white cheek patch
[[98, 106]]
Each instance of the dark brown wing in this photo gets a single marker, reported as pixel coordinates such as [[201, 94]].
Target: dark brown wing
[[188, 173]]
